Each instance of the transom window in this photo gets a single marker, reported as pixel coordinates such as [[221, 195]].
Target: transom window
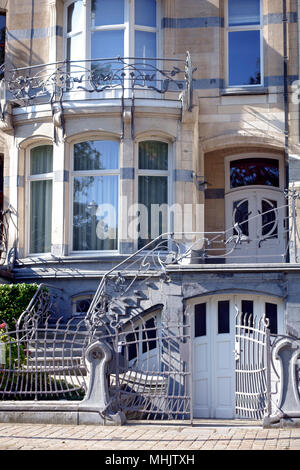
[[254, 171], [244, 42], [95, 195], [111, 28], [40, 179]]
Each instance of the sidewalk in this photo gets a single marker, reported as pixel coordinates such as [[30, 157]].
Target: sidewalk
[[214, 435]]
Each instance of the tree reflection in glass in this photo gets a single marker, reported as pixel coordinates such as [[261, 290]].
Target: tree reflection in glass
[[95, 204]]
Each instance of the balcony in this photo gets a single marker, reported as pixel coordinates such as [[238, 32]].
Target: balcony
[[122, 83]]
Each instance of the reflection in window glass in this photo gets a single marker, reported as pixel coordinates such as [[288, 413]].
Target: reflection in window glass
[[254, 171], [106, 12], [145, 45], [243, 13], [95, 213], [244, 58], [107, 44], [96, 155], [74, 13], [145, 12]]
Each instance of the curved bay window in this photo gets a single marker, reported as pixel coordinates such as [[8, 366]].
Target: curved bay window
[[105, 29], [40, 185], [95, 195]]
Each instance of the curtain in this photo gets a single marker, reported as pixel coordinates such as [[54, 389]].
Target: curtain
[[40, 216], [153, 193], [41, 160], [95, 213], [153, 155]]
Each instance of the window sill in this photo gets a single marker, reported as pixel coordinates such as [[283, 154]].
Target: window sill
[[237, 91]]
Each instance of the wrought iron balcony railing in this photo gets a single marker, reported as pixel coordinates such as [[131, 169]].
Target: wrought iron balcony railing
[[114, 78]]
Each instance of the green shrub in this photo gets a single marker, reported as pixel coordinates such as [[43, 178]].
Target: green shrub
[[14, 299]]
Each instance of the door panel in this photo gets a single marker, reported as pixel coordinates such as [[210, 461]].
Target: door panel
[[215, 352], [260, 217]]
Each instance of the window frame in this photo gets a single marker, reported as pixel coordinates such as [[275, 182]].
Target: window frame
[[229, 29], [128, 26], [168, 173], [73, 174], [29, 179]]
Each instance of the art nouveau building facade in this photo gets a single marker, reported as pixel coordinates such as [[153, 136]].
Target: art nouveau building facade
[[185, 107]]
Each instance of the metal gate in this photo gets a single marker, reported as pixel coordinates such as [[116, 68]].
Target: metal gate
[[252, 371]]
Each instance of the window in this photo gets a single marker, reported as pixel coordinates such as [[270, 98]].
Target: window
[[142, 342], [223, 317], [153, 184], [244, 43], [81, 304], [200, 320], [95, 195], [40, 184], [2, 37], [254, 171], [111, 28], [272, 316]]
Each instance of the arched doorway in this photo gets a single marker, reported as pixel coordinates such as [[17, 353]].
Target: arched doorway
[[255, 201], [213, 351]]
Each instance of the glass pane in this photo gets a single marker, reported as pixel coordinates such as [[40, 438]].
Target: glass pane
[[223, 317], [269, 218], [41, 160], [145, 12], [75, 14], [106, 12], [153, 199], [2, 39], [271, 315], [40, 216], [241, 216], [107, 45], [247, 312], [149, 335], [131, 349], [145, 44], [243, 13], [200, 320], [96, 155], [244, 58], [74, 50], [95, 213], [254, 171], [153, 155], [82, 306]]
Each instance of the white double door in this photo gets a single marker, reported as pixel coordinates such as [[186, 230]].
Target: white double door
[[213, 359], [214, 348], [260, 215]]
